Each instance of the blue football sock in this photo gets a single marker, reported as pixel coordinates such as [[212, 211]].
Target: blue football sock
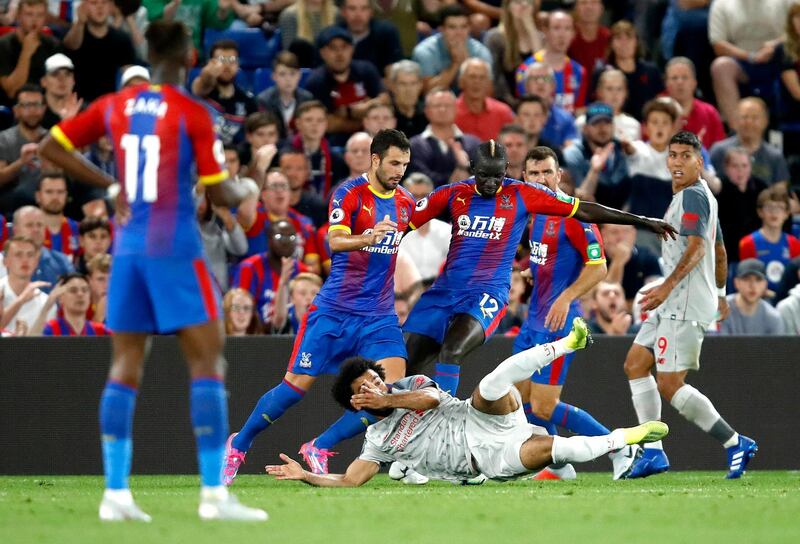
[[576, 420], [349, 425], [209, 409], [268, 409], [446, 376], [533, 419], [116, 423]]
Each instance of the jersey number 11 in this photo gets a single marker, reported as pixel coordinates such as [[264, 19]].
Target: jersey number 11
[[151, 145]]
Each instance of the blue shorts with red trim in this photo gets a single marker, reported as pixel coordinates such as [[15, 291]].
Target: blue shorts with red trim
[[327, 337], [160, 294], [432, 314], [556, 372]]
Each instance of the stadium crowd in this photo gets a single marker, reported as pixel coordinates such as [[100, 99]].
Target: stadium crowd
[[300, 87]]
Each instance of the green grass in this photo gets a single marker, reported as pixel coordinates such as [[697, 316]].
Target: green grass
[[673, 508]]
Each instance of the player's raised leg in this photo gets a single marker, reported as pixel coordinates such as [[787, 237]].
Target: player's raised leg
[[202, 348], [117, 405]]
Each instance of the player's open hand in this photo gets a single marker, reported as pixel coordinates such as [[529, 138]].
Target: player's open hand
[[664, 230], [653, 298], [381, 229], [290, 471], [369, 396]]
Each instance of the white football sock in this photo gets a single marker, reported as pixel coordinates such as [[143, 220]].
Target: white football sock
[[647, 403], [579, 449], [119, 496], [697, 408], [519, 367]]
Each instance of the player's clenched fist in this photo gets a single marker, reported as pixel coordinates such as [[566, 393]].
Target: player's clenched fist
[[381, 228]]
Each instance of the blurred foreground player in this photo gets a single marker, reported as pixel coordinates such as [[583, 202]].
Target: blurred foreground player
[[684, 304], [161, 281], [353, 314], [446, 438]]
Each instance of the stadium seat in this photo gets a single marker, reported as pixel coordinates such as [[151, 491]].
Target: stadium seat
[[262, 80], [6, 118], [304, 73], [255, 50]]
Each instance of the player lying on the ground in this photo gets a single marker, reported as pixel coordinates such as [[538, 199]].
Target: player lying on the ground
[[443, 437]]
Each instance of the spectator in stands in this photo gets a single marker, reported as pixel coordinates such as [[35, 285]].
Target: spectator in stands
[[294, 164], [610, 315], [698, 116], [21, 298], [744, 36], [612, 89], [101, 154], [58, 83], [357, 155], [571, 80], [217, 85], [73, 295], [511, 42], [477, 113], [626, 54], [197, 15], [770, 244], [405, 85], [29, 222], [23, 52], [789, 307], [738, 213], [629, 264], [597, 163], [591, 39], [789, 54], [283, 98], [19, 162], [379, 116], [261, 139], [376, 41], [767, 160], [345, 86], [233, 162], [301, 292], [532, 116], [517, 310], [94, 239], [559, 124], [749, 313], [240, 316], [514, 139], [98, 270], [130, 17], [97, 49], [266, 274], [410, 17], [428, 245], [442, 152], [326, 164], [440, 56], [61, 232], [223, 238], [275, 201], [300, 25], [650, 179]]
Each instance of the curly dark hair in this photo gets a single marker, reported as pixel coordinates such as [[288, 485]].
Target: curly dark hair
[[351, 369]]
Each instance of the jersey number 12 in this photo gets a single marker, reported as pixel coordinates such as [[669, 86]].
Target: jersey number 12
[[151, 145]]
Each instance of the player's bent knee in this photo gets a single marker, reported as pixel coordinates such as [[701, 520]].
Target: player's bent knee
[[536, 452], [638, 362], [543, 409], [301, 381], [669, 383]]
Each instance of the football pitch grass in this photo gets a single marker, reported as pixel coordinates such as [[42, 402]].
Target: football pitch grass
[[674, 507]]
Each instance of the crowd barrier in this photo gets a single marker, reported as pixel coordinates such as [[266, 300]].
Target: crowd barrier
[[50, 388]]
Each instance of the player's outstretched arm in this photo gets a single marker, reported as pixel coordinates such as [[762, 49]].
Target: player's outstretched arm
[[358, 473], [592, 212], [73, 163], [369, 396]]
